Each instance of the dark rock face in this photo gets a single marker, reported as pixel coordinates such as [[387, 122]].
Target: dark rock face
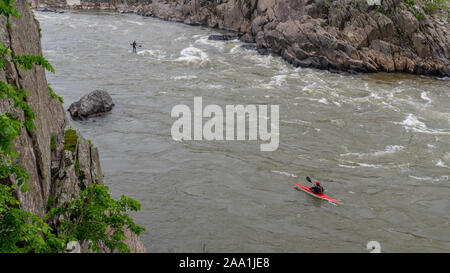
[[95, 103], [344, 35]]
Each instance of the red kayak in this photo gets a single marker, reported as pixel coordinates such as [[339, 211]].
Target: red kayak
[[321, 196]]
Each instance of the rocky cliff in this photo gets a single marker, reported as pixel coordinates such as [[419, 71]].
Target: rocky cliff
[[342, 35], [54, 172]]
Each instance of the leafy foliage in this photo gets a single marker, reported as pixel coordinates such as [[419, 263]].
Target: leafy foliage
[[53, 95], [22, 231], [97, 218], [26, 62], [18, 96], [3, 53], [7, 8]]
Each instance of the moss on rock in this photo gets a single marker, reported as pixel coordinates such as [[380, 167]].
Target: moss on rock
[[70, 140]]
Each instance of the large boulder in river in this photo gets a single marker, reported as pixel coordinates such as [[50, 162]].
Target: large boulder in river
[[95, 103]]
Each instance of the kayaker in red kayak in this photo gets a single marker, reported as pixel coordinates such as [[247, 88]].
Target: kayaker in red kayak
[[316, 187]]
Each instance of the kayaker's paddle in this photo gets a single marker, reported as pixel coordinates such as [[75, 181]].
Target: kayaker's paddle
[[310, 181]]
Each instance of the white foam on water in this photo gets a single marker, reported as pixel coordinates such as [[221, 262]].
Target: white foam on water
[[426, 178], [441, 164], [424, 109], [390, 149], [156, 53], [284, 173], [297, 121], [412, 123], [277, 81], [184, 77], [424, 96], [203, 40], [376, 96], [235, 49], [135, 22], [259, 60], [376, 166], [307, 88], [321, 100], [346, 166], [353, 165], [193, 56], [214, 86]]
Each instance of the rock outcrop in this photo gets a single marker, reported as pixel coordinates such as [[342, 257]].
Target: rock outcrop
[[54, 172], [95, 103], [342, 35]]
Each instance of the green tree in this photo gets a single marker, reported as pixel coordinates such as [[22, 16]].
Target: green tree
[[95, 217]]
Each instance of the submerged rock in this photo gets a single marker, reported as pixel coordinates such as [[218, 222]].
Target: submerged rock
[[249, 47], [49, 10], [260, 50], [95, 103], [264, 51], [225, 37]]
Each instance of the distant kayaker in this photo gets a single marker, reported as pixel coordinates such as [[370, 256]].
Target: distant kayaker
[[316, 187]]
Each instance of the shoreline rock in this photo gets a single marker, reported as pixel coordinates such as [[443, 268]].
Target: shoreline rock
[[339, 35]]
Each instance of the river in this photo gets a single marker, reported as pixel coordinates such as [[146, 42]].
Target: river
[[380, 143]]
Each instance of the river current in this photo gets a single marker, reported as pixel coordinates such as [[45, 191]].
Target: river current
[[380, 143]]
